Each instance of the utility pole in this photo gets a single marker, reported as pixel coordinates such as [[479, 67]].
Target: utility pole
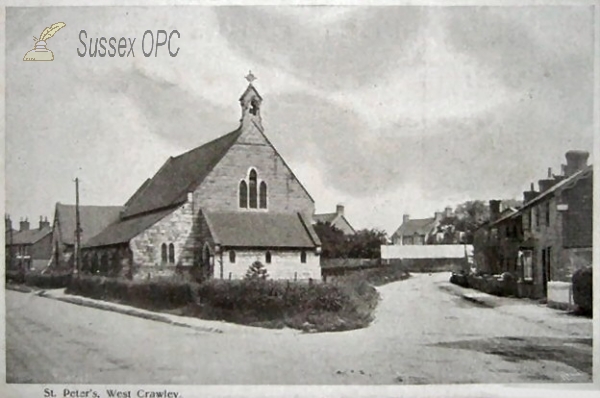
[[77, 230]]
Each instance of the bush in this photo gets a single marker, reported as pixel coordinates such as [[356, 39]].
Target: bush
[[48, 281], [255, 301], [160, 293], [583, 290], [257, 271]]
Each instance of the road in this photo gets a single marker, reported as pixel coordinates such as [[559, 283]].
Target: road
[[423, 333]]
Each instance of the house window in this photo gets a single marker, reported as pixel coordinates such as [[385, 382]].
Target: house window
[[263, 195], [303, 257], [163, 253], [171, 253], [268, 257], [231, 256], [252, 179], [527, 264], [537, 217], [243, 195], [548, 213]]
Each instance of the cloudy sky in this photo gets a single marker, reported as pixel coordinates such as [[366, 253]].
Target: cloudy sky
[[388, 110]]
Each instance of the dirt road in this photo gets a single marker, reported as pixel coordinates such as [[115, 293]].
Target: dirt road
[[423, 333]]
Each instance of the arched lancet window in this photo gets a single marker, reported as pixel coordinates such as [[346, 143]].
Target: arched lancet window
[[243, 195], [303, 257], [263, 195], [171, 253], [231, 256], [163, 253], [268, 257], [253, 189]]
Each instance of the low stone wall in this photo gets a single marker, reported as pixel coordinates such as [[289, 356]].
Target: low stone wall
[[335, 267]]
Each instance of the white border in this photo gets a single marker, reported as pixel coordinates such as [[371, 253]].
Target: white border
[[473, 390]]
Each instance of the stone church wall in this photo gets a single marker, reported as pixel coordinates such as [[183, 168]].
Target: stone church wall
[[176, 228], [219, 191]]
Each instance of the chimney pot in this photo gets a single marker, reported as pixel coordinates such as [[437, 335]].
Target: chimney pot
[[339, 209], [549, 172], [405, 218], [576, 160]]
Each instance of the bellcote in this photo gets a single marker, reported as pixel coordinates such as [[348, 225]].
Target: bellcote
[[250, 101]]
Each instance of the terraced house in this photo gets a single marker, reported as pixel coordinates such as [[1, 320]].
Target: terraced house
[[215, 210], [546, 240]]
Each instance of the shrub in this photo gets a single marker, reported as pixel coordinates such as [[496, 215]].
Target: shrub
[[160, 293], [48, 281], [583, 290], [257, 271]]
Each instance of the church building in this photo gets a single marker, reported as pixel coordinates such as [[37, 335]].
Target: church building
[[215, 210]]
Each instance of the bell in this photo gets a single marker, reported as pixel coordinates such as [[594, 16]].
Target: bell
[[39, 53]]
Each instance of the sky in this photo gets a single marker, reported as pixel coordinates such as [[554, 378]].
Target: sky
[[386, 110]]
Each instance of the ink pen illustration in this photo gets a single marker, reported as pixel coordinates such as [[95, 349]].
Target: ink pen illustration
[[40, 52]]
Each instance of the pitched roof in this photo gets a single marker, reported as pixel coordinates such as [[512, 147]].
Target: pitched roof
[[30, 236], [178, 176], [258, 229], [93, 219], [325, 217], [419, 226], [567, 183], [331, 218], [122, 231]]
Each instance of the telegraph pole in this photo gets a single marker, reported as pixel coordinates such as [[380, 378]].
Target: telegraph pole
[[77, 230]]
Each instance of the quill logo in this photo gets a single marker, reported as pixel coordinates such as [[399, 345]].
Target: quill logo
[[40, 52]]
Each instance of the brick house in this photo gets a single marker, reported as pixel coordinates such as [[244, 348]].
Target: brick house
[[214, 210], [548, 238], [337, 219], [28, 249], [92, 219]]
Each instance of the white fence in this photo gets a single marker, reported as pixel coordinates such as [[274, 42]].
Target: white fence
[[389, 252]]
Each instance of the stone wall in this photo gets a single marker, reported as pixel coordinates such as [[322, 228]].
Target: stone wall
[[285, 264], [176, 228], [219, 191]]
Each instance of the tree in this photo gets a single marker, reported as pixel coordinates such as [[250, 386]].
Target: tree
[[334, 244], [366, 243], [257, 271]]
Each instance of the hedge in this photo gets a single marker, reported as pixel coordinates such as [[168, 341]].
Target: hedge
[[48, 281], [583, 290], [505, 286], [301, 305]]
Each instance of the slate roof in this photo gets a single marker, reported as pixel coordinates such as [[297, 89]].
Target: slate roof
[[325, 217], [264, 230], [178, 176], [29, 236], [122, 231], [93, 219], [419, 226], [567, 183]]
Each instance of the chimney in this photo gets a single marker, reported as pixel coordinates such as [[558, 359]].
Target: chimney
[[576, 160], [448, 212], [24, 225], [44, 222], [405, 218], [439, 216], [494, 209], [7, 223], [550, 173], [529, 195], [339, 210], [546, 184]]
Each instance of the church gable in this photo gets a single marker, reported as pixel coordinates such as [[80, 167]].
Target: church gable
[[252, 175]]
